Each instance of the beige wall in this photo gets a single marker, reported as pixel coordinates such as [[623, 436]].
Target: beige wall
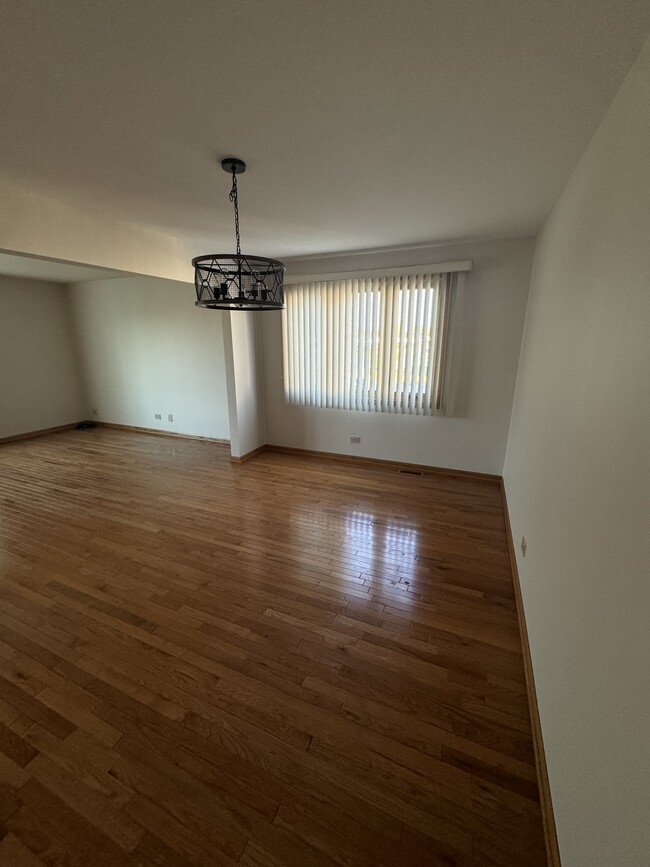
[[577, 475], [147, 349], [486, 342], [40, 385], [31, 223]]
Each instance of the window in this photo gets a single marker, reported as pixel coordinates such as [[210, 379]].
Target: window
[[374, 343]]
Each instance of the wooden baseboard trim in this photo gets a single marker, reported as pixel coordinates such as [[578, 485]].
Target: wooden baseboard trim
[[550, 833], [160, 433], [357, 459], [38, 433], [239, 459]]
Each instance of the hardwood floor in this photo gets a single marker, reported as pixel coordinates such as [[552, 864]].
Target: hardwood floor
[[291, 661]]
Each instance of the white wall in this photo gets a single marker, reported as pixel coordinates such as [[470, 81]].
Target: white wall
[[245, 397], [490, 325], [147, 349], [40, 386], [577, 475]]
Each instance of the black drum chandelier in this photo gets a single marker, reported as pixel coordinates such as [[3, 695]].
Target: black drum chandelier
[[225, 281]]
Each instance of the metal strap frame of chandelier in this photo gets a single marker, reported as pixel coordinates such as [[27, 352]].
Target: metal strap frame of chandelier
[[229, 281], [235, 281]]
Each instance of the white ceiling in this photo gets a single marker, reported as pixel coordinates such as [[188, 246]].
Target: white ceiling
[[364, 124], [28, 267]]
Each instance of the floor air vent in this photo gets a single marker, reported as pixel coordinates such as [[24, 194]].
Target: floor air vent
[[411, 472]]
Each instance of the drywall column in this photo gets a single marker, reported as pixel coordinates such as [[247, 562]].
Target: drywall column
[[577, 477], [244, 380]]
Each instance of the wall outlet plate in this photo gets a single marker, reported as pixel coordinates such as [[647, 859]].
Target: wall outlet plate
[[170, 417], [158, 416], [355, 439]]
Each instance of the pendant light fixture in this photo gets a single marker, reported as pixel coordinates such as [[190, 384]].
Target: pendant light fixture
[[225, 281]]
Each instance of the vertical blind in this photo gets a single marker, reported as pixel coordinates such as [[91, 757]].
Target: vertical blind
[[375, 344]]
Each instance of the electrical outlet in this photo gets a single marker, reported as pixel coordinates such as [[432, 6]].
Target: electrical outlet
[[158, 416], [95, 412], [355, 439], [170, 417], [524, 545]]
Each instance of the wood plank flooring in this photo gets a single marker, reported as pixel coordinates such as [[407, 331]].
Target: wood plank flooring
[[292, 661]]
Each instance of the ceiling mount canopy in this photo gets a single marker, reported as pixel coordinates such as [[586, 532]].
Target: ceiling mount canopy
[[235, 281]]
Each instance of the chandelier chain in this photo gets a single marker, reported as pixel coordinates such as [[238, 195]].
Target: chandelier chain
[[234, 199]]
